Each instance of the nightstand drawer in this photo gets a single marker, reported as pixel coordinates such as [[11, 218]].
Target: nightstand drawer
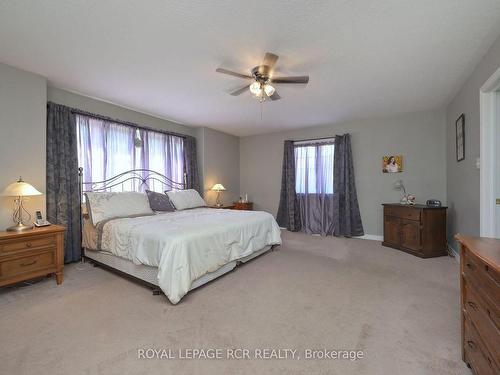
[[27, 264], [27, 243]]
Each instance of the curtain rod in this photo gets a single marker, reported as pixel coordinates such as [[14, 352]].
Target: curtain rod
[[313, 139], [122, 122]]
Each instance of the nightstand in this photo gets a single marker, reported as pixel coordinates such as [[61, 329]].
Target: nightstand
[[247, 206], [226, 207], [33, 253]]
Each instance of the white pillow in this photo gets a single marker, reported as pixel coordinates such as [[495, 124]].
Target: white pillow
[[103, 206], [183, 199]]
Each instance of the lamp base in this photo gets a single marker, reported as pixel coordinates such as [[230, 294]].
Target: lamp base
[[19, 227]]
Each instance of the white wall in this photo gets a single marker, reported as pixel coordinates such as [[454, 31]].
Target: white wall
[[463, 177], [419, 137], [23, 103]]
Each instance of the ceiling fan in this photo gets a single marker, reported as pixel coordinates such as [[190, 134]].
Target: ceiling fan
[[262, 85]]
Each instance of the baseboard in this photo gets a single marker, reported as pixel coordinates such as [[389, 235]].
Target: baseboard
[[372, 237], [453, 253]]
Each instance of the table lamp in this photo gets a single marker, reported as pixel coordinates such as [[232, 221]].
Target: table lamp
[[19, 190], [218, 188], [399, 185]]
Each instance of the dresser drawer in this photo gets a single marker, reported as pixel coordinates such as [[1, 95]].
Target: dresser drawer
[[485, 318], [482, 277], [403, 212], [476, 353], [13, 267], [27, 243]]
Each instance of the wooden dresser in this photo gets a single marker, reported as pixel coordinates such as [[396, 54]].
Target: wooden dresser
[[31, 254], [480, 303], [418, 229]]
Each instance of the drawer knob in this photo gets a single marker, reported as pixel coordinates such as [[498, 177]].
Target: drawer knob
[[471, 344], [25, 264], [470, 266], [486, 268], [472, 304], [28, 244]]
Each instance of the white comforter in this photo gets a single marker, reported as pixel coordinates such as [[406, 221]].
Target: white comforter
[[186, 245]]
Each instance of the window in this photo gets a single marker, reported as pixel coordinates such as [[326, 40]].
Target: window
[[314, 168], [106, 149]]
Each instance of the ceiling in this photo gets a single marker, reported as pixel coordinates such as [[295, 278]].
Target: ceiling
[[365, 58]]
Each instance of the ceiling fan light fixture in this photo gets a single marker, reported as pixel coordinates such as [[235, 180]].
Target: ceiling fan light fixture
[[269, 89], [255, 88]]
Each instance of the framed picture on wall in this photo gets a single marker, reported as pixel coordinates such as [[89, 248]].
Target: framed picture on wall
[[460, 137], [392, 163]]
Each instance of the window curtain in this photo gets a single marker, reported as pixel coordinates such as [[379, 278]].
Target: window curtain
[[63, 192], [315, 188], [191, 163], [347, 218], [107, 148], [288, 211]]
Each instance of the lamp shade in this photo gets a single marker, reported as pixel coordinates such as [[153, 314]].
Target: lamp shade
[[20, 189], [218, 187]]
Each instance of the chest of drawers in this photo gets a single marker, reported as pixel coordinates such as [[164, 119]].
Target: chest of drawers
[[480, 303], [419, 230]]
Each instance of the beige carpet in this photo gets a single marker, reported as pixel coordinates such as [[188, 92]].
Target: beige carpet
[[312, 293]]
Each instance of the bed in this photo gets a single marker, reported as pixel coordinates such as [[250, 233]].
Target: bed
[[172, 251]]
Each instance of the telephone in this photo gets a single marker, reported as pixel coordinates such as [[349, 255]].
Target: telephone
[[39, 222]]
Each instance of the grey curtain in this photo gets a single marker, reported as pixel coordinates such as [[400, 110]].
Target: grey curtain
[[347, 218], [191, 163], [288, 211], [63, 192]]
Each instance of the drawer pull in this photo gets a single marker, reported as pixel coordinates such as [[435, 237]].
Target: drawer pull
[[28, 263], [28, 244], [472, 304], [471, 344], [470, 266]]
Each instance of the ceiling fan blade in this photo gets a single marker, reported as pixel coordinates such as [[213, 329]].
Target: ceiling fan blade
[[231, 73], [270, 59], [275, 96], [298, 79], [240, 91]]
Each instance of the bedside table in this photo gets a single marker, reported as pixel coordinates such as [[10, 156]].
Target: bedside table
[[247, 206], [33, 253], [226, 207]]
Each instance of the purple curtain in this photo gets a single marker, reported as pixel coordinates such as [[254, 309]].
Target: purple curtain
[[318, 191], [106, 148], [314, 186]]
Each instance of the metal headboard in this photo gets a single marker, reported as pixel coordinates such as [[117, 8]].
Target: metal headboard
[[132, 180], [146, 178]]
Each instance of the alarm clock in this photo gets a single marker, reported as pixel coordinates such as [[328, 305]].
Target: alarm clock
[[434, 203]]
